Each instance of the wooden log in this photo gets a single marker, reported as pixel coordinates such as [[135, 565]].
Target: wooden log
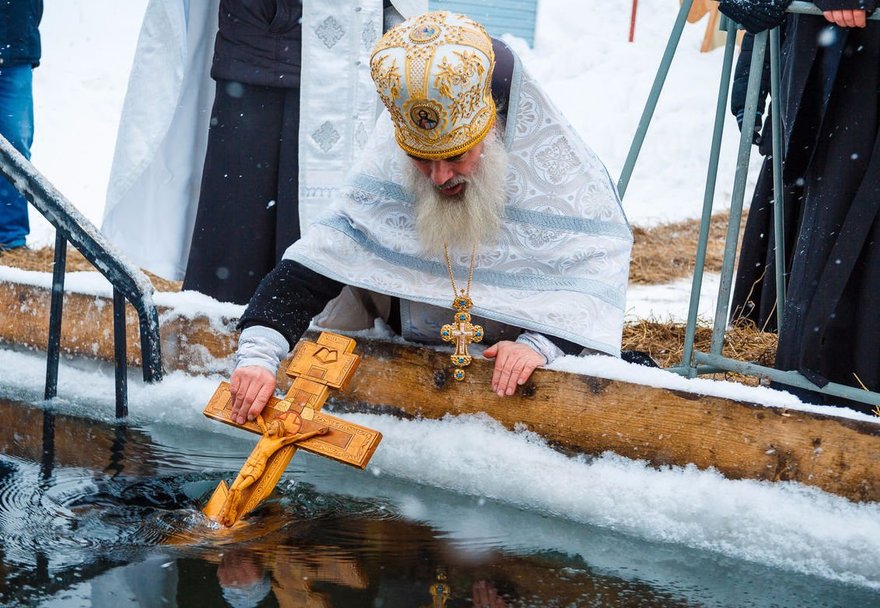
[[594, 415], [571, 411], [188, 344]]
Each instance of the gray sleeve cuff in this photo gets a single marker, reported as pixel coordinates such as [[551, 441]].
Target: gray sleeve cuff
[[263, 346], [541, 344]]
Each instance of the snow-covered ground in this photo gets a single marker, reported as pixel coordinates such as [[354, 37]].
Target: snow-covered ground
[[601, 82], [88, 46]]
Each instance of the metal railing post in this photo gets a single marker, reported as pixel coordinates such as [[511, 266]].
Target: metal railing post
[[71, 226], [708, 197], [693, 361], [778, 197], [53, 348], [737, 197], [120, 354]]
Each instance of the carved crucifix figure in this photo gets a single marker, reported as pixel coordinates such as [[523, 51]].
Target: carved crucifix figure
[[290, 423], [462, 332], [276, 435]]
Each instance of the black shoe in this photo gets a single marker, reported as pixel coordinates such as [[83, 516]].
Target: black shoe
[[638, 357]]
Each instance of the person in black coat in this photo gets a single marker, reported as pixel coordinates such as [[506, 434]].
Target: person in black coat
[[19, 54], [828, 104], [248, 213]]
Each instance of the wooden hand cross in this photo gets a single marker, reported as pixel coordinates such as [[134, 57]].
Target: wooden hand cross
[[293, 422]]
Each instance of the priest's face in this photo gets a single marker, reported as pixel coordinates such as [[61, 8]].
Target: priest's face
[[450, 175], [459, 201]]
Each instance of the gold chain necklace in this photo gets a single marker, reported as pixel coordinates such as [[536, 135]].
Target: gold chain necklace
[[461, 330]]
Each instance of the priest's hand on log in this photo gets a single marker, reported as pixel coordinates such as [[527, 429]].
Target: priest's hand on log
[[251, 387], [514, 363]]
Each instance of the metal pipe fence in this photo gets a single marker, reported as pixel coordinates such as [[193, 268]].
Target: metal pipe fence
[[695, 362]]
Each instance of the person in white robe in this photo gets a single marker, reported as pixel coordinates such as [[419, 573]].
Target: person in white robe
[[154, 185]]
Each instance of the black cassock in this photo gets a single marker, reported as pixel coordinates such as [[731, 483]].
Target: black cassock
[[829, 109]]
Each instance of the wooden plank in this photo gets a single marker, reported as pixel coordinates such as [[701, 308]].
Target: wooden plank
[[499, 17]]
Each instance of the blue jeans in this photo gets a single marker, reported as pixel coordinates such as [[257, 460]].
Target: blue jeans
[[16, 125]]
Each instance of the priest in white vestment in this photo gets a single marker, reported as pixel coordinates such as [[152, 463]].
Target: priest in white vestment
[[475, 214]]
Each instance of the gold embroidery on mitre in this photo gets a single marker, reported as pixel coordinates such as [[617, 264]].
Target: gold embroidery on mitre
[[441, 104], [387, 78], [388, 83], [452, 82]]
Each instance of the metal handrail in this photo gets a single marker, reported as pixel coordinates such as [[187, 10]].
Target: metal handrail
[[695, 362], [129, 283]]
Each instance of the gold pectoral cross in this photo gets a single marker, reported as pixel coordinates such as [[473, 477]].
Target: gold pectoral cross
[[462, 332], [290, 423]]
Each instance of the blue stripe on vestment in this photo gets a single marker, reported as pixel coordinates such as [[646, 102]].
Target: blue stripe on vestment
[[526, 282]]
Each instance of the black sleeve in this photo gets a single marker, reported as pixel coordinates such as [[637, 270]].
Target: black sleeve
[[741, 78], [569, 348], [502, 76], [756, 15], [287, 298]]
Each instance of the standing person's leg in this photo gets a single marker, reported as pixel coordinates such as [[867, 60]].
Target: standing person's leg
[[17, 126], [233, 244], [288, 229]]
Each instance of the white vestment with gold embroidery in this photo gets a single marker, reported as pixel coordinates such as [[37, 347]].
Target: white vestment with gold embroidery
[[560, 267]]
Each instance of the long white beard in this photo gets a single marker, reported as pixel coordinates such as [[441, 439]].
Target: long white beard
[[469, 218]]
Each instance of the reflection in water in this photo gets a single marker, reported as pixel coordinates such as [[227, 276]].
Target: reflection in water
[[94, 514]]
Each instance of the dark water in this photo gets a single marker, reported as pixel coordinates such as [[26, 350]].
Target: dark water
[[93, 514]]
